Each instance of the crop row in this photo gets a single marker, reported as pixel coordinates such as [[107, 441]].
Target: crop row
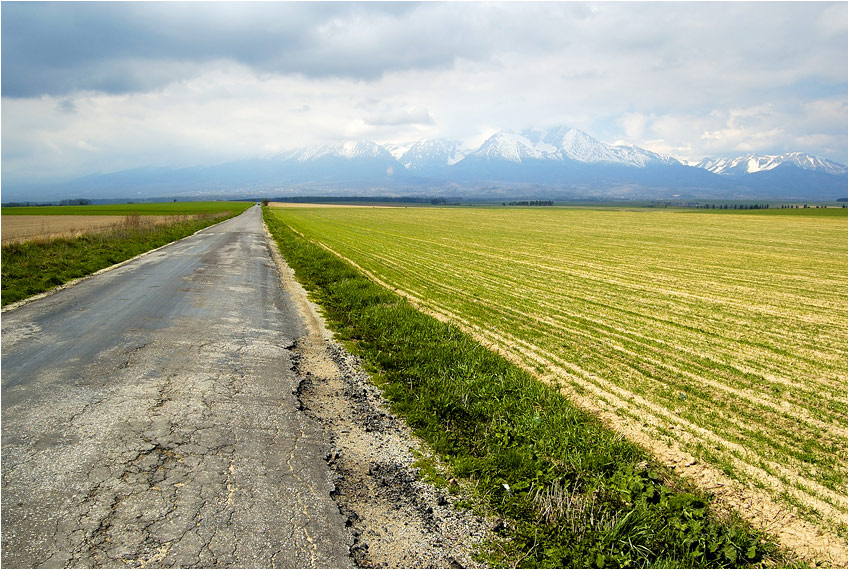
[[726, 335]]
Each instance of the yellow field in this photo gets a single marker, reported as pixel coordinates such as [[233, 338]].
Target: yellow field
[[22, 227]]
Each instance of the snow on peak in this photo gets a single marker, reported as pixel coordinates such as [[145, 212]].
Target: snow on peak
[[396, 150], [509, 146], [345, 150], [564, 143], [559, 144], [431, 153], [753, 163]]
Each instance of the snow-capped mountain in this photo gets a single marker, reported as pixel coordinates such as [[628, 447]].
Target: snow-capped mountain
[[347, 162], [543, 163], [753, 163], [564, 144], [431, 154], [397, 150], [509, 146], [344, 150]]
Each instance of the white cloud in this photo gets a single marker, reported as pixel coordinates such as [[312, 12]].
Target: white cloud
[[389, 114], [634, 125], [765, 128]]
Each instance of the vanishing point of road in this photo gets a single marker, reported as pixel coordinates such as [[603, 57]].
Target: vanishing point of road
[[148, 418]]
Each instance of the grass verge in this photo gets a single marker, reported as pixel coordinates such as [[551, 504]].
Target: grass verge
[[30, 268], [143, 209], [573, 493]]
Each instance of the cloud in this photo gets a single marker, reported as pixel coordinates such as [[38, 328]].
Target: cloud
[[67, 106], [765, 128], [389, 115], [634, 125], [118, 47], [56, 48], [172, 84]]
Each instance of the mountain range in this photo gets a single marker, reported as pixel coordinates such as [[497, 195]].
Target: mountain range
[[557, 163]]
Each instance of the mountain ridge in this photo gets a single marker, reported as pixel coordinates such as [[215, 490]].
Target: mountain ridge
[[535, 163], [752, 162]]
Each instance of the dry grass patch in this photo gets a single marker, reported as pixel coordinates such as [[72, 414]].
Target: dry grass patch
[[24, 228], [37, 265]]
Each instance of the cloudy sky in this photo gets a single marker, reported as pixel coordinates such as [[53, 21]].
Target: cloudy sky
[[100, 87]]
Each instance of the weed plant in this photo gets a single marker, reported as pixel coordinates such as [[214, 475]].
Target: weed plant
[[573, 493], [29, 268]]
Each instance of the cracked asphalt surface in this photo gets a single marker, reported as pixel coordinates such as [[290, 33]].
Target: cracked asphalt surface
[[148, 418]]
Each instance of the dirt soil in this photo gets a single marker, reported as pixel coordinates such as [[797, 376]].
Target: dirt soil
[[396, 519], [21, 228], [26, 227]]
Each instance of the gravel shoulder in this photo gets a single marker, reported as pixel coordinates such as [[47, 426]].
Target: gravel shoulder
[[396, 518]]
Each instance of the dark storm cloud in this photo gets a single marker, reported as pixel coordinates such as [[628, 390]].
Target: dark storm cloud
[[57, 48]]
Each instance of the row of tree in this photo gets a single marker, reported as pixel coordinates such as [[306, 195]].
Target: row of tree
[[66, 202], [529, 203], [734, 206], [807, 206]]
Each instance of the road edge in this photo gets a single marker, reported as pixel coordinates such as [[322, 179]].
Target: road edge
[[397, 517]]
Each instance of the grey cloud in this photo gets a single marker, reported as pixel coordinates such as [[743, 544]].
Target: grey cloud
[[67, 106], [56, 48]]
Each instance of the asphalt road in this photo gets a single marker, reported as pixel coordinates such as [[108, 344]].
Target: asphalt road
[[148, 418]]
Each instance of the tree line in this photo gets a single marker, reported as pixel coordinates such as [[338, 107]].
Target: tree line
[[735, 206], [529, 203]]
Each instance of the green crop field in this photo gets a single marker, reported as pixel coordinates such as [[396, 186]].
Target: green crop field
[[699, 335], [143, 209]]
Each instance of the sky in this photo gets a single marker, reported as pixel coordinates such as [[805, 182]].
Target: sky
[[101, 87]]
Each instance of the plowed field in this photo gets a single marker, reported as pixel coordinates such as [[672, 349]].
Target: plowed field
[[22, 228], [719, 341]]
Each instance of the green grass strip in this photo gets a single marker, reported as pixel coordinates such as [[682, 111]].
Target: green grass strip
[[575, 494], [143, 209], [30, 268]]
